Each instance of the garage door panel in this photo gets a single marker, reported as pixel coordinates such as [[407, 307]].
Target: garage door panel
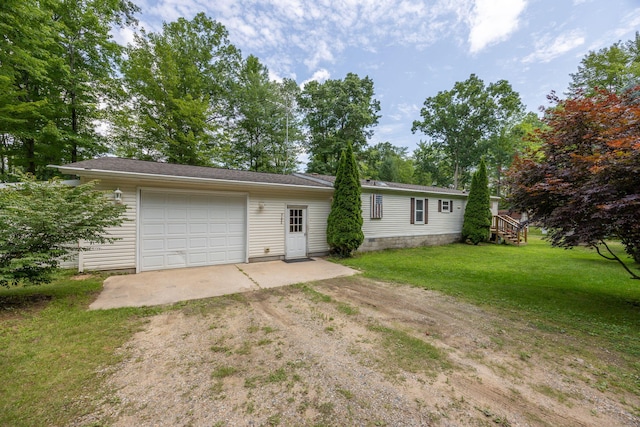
[[177, 244], [182, 230], [218, 228], [236, 228], [154, 213], [154, 199], [217, 257], [198, 228], [197, 243], [235, 254], [174, 215], [153, 244], [153, 229], [176, 261], [176, 199], [218, 242], [198, 258], [153, 262], [235, 241], [199, 215], [177, 229]]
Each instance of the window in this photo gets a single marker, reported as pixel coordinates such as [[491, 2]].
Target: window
[[295, 221], [419, 211], [445, 206], [376, 206]]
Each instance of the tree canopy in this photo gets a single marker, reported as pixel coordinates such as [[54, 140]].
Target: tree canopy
[[614, 68], [464, 122], [56, 65], [175, 93], [386, 162], [266, 133], [337, 113], [584, 182]]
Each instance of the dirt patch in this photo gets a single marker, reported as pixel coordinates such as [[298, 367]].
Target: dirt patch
[[353, 352], [19, 306]]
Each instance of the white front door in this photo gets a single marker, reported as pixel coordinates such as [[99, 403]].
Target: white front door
[[296, 232]]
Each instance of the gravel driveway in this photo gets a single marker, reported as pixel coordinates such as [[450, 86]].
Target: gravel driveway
[[343, 352]]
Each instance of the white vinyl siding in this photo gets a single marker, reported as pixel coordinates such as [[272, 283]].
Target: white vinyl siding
[[267, 224], [120, 254], [397, 217]]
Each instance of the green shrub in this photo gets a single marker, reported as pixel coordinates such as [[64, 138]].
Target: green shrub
[[344, 225], [477, 214]]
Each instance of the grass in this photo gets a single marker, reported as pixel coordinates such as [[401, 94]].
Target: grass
[[554, 289], [51, 349], [223, 372], [409, 353]]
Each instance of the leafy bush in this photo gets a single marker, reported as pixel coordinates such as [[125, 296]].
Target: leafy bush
[[41, 224]]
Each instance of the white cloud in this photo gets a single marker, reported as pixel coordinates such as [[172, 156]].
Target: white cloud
[[493, 21], [318, 31], [630, 24], [320, 76], [122, 36], [405, 111], [322, 53], [548, 49]]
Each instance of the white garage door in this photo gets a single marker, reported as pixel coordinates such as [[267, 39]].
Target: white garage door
[[189, 230]]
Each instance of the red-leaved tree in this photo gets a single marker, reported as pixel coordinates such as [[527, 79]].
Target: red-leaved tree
[[584, 183]]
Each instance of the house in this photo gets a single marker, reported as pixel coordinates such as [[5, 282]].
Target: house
[[187, 216]]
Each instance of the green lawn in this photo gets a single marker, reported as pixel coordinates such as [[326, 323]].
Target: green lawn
[[51, 349], [565, 291]]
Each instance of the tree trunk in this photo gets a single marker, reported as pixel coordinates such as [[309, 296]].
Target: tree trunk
[[74, 128], [455, 176], [30, 147]]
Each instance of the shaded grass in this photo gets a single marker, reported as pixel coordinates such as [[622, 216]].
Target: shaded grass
[[556, 290], [51, 349]]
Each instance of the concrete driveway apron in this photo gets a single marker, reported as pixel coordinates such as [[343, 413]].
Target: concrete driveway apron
[[170, 286]]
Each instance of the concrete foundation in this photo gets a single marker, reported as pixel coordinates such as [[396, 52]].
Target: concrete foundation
[[399, 242]]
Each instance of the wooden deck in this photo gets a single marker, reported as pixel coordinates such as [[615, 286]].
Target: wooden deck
[[508, 230]]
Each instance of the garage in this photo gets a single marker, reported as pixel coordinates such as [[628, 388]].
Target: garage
[[179, 229]]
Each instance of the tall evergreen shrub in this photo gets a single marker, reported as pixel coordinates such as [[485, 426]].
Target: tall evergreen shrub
[[477, 215], [344, 225]]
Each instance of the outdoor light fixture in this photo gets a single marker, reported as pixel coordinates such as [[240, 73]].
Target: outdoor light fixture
[[261, 205], [117, 196]]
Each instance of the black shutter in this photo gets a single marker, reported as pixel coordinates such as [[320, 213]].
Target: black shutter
[[439, 205], [426, 211], [413, 210]]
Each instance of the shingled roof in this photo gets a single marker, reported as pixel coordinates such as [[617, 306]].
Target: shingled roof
[[116, 165], [371, 183], [119, 165]]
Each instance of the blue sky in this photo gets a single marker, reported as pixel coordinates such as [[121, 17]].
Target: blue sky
[[414, 49]]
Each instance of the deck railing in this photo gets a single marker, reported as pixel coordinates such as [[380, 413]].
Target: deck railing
[[509, 229]]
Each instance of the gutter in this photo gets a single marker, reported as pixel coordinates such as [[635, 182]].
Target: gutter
[[409, 190]]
